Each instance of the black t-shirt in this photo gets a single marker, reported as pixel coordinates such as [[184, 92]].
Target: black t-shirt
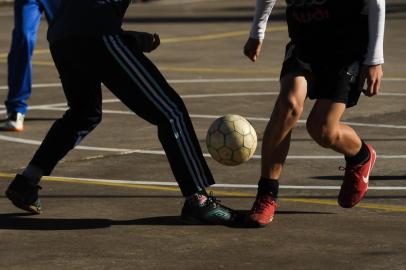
[[334, 29], [87, 18]]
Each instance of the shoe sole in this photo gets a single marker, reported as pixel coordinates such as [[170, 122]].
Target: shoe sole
[[191, 221], [16, 200], [11, 129], [255, 224]]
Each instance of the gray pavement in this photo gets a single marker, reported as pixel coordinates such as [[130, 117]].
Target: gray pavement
[[112, 225]]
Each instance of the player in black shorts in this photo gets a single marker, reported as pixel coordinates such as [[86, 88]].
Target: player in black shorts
[[335, 47], [89, 47]]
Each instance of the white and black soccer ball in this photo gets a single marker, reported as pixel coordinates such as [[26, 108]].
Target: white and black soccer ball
[[231, 140]]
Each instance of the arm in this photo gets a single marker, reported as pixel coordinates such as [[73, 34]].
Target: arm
[[376, 27], [253, 45], [372, 70]]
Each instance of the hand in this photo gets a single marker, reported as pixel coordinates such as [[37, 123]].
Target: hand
[[143, 41], [252, 48], [373, 76]]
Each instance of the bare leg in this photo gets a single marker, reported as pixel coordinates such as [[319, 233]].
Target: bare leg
[[287, 111], [323, 125]]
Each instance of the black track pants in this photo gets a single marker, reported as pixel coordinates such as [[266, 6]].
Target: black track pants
[[85, 63]]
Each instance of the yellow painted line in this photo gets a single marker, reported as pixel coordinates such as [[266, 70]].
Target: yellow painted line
[[36, 52], [41, 51], [35, 62], [43, 63], [215, 70], [187, 39], [218, 35], [388, 208]]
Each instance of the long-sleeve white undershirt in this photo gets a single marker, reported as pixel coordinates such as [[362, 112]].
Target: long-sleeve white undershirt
[[376, 26]]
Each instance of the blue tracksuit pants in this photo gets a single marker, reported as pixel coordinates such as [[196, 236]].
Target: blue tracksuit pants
[[27, 15]]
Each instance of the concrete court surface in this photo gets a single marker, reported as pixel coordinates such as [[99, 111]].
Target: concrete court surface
[[122, 225]]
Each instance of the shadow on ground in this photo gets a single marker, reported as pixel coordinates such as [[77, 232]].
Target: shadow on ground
[[26, 221]]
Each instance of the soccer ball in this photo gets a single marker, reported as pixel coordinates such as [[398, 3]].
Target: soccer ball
[[231, 140]]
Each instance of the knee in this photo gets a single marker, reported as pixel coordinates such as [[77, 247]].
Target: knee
[[95, 119], [325, 135], [24, 35], [92, 118], [82, 120], [289, 106]]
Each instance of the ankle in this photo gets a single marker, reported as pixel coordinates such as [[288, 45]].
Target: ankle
[[267, 186], [33, 174], [198, 199], [361, 157]]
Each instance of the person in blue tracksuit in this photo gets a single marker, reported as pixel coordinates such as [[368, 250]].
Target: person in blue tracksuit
[[27, 17]]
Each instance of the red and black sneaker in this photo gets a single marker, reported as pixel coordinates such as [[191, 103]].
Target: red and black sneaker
[[262, 211], [355, 183]]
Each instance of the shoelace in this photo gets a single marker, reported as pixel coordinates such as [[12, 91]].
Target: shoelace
[[261, 203], [212, 199]]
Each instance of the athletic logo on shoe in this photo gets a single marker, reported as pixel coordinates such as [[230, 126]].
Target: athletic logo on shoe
[[221, 214], [366, 179]]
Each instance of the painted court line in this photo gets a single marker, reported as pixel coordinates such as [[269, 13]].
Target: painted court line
[[241, 186], [54, 107], [388, 208], [159, 152], [57, 107], [218, 80]]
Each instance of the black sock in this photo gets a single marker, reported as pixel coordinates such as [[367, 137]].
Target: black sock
[[266, 186], [361, 157]]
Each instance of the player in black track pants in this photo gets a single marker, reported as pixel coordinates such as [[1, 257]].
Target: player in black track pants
[[115, 58]]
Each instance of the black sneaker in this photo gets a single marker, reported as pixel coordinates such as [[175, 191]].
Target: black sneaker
[[210, 212], [24, 195]]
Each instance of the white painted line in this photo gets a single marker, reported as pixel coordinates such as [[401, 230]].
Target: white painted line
[[243, 94], [374, 125], [160, 152], [41, 107], [40, 85], [241, 186], [214, 80], [53, 107], [224, 80], [231, 94], [392, 79]]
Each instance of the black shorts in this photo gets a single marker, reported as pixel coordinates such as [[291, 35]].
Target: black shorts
[[327, 79]]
